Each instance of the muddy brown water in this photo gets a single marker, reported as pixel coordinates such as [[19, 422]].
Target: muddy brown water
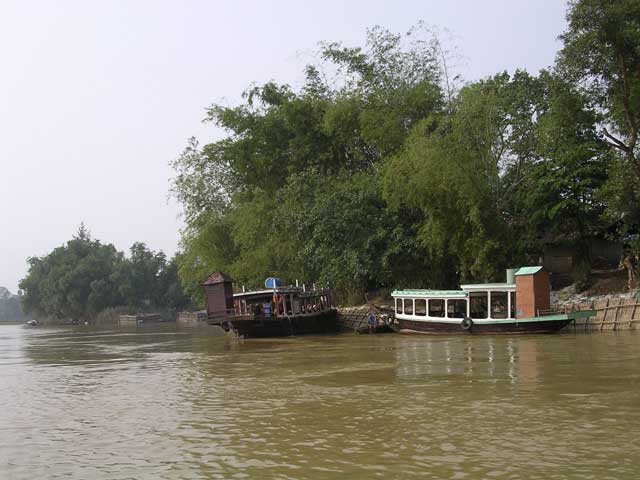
[[171, 403]]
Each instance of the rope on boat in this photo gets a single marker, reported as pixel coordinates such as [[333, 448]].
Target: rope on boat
[[290, 327]]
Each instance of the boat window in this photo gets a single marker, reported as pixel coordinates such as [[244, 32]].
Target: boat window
[[478, 304], [499, 305], [513, 304], [398, 305], [436, 308], [421, 307], [456, 308], [408, 306]]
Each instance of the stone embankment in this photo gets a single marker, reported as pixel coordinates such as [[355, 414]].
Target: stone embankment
[[357, 319], [191, 318], [619, 311]]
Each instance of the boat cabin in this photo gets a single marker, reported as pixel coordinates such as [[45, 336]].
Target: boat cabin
[[281, 302], [274, 301]]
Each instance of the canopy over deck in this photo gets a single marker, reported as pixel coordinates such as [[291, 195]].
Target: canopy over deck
[[429, 293], [489, 287], [297, 291]]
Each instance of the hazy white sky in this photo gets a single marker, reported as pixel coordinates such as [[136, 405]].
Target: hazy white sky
[[97, 97]]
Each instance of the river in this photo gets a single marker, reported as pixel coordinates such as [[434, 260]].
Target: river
[[190, 403]]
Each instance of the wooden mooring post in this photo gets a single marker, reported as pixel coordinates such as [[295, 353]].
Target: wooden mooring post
[[604, 316]]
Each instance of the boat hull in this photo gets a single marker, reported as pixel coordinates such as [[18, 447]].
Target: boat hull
[[263, 327], [495, 328]]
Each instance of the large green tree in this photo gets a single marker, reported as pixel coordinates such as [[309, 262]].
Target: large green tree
[[517, 165], [560, 196], [454, 173], [297, 167], [601, 55], [74, 281]]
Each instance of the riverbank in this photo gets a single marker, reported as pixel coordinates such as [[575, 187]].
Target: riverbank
[[614, 312], [617, 307]]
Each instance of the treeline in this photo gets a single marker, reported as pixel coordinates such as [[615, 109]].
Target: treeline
[[10, 307], [84, 277], [383, 170]]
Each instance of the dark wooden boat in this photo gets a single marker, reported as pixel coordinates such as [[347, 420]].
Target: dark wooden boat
[[276, 311], [519, 306]]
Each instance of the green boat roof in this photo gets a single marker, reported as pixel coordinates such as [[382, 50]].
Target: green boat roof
[[528, 270], [429, 293]]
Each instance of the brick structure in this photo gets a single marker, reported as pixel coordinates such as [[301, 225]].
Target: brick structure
[[219, 294], [533, 291]]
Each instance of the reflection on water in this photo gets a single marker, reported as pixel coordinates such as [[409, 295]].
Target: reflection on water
[[509, 358], [176, 403]]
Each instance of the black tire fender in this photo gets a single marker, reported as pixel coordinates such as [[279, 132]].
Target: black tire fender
[[466, 323]]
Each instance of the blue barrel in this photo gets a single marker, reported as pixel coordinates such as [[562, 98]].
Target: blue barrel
[[272, 282]]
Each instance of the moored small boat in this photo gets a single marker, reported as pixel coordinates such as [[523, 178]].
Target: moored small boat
[[276, 311], [520, 305]]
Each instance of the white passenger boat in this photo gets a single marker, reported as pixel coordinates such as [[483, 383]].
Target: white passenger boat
[[520, 305]]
